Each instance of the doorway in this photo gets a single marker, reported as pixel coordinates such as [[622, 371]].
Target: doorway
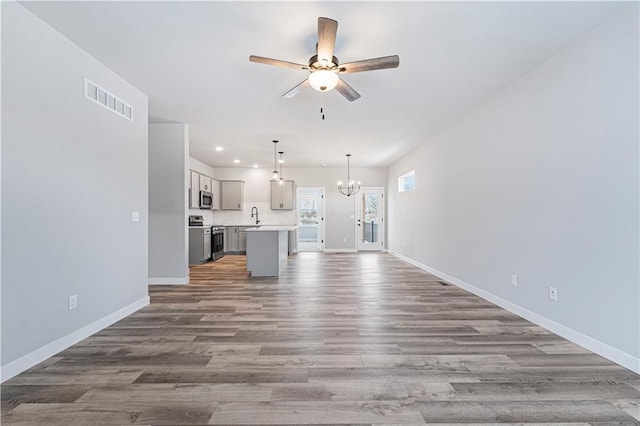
[[310, 219], [370, 219]]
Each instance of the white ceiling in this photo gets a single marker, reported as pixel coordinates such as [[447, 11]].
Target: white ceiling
[[191, 59]]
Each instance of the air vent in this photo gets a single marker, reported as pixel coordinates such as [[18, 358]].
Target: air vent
[[105, 99]]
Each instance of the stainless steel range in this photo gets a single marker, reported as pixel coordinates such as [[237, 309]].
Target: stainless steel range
[[206, 242], [217, 242]]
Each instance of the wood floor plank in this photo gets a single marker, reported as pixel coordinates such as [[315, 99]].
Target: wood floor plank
[[180, 392], [84, 414], [318, 412], [360, 338]]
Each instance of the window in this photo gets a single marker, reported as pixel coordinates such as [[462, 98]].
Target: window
[[308, 209], [407, 182]]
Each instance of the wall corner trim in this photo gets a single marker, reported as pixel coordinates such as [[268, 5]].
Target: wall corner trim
[[619, 357], [168, 281], [16, 367]]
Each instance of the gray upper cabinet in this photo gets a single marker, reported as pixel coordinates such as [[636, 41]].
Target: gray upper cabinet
[[199, 183], [194, 191], [232, 194], [283, 196], [215, 190], [205, 183]]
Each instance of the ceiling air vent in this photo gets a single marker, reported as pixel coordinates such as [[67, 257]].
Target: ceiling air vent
[[103, 98]]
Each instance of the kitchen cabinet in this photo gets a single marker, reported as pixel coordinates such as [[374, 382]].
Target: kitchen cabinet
[[194, 191], [283, 196], [200, 182], [232, 194], [235, 239], [199, 245], [205, 183], [215, 190]]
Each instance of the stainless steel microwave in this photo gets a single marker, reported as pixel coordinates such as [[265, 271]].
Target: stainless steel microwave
[[206, 200]]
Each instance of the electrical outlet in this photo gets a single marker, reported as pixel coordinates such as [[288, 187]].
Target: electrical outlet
[[73, 302], [345, 240], [553, 294], [404, 245], [135, 216], [514, 280]]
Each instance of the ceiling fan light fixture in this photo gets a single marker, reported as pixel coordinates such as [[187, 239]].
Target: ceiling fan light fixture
[[323, 80]]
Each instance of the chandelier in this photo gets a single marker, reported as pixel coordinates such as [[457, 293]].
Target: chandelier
[[351, 187]]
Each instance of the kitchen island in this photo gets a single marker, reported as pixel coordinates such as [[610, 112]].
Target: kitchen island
[[267, 249]]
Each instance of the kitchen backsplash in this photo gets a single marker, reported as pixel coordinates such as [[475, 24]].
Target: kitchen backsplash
[[207, 215], [243, 217]]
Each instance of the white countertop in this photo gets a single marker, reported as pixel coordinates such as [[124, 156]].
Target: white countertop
[[252, 225], [273, 228]]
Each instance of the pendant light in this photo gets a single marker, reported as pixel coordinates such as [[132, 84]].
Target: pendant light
[[281, 161], [351, 187], [275, 175]]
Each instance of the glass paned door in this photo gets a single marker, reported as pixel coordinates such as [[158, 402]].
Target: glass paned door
[[310, 219], [370, 222]]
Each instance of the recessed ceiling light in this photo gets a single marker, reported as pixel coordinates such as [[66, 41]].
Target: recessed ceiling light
[[255, 166], [236, 161], [219, 148]]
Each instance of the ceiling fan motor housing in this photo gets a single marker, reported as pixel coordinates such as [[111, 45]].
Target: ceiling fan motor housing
[[316, 64]]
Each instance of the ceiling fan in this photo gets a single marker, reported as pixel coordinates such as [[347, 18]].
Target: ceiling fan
[[324, 68]]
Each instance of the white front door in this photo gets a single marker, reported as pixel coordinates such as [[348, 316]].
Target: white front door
[[310, 219], [370, 219]]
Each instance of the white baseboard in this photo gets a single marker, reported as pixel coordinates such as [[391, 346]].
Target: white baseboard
[[169, 281], [21, 364], [344, 250], [619, 357]]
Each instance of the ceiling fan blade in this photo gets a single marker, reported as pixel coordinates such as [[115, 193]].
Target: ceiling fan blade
[[327, 29], [347, 91], [291, 93], [277, 62], [370, 64]]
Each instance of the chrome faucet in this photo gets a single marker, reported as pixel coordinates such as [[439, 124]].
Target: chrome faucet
[[256, 210]]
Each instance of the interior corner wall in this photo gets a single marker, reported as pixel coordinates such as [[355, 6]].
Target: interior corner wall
[[72, 174], [168, 203], [541, 182]]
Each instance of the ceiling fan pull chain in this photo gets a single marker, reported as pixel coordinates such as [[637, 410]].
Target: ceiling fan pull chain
[[322, 104]]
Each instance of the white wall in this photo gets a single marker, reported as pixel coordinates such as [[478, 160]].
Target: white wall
[[72, 174], [168, 202], [340, 210], [207, 170], [541, 182]]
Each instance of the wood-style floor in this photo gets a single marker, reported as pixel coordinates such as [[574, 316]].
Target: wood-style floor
[[338, 338]]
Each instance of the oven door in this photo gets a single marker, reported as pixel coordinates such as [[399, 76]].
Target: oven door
[[206, 200], [217, 242]]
